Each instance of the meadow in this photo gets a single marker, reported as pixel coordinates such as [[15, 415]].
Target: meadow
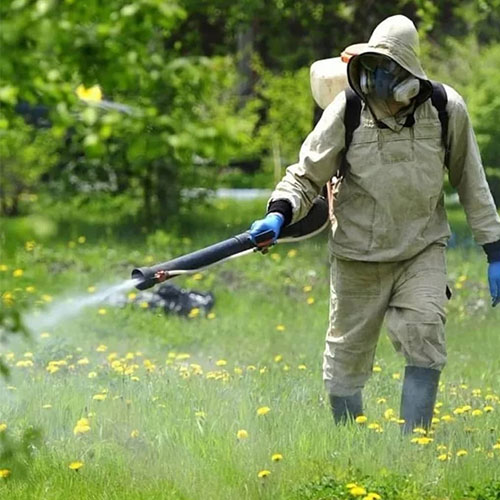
[[130, 403]]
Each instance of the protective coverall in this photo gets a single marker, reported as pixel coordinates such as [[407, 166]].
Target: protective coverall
[[388, 246]]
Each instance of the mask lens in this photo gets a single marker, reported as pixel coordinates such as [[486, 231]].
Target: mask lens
[[371, 62], [380, 74]]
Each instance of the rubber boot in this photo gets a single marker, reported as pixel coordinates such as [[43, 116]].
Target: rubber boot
[[420, 388], [346, 408]]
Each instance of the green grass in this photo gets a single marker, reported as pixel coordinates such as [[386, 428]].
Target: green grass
[[188, 416]]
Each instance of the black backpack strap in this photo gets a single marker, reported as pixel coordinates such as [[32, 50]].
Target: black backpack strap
[[439, 100], [352, 119]]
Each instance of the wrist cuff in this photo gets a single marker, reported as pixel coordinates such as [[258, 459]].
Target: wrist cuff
[[284, 208], [492, 251]]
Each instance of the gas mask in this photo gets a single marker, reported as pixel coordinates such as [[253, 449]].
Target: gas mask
[[381, 77]]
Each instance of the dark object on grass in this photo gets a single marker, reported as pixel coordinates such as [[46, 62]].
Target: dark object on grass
[[173, 299]]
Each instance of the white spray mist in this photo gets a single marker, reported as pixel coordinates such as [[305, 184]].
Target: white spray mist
[[72, 306]]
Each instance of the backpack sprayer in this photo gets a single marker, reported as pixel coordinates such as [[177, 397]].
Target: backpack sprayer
[[242, 244]]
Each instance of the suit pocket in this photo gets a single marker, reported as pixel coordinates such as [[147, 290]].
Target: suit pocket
[[355, 217]]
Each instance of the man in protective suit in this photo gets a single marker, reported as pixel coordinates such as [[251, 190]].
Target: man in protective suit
[[388, 247]]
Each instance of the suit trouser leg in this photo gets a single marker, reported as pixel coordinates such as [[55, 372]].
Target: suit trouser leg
[[360, 293], [415, 320]]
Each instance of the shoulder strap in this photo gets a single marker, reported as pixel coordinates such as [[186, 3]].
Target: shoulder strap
[[352, 118], [439, 100]]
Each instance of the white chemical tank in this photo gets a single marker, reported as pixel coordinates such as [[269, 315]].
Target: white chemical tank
[[329, 76]]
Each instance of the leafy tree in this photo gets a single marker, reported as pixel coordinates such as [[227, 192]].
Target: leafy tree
[[165, 118]]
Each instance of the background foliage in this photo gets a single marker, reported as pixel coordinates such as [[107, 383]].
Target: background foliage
[[198, 93]]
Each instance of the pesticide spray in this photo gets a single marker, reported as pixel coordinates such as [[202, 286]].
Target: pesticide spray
[[72, 306]]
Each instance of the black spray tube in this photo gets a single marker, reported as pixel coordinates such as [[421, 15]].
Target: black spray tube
[[315, 221], [150, 276]]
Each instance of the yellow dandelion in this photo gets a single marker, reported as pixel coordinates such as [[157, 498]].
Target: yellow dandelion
[[361, 419], [47, 407], [91, 289], [419, 430], [488, 409], [443, 457], [83, 361], [18, 273], [144, 305], [396, 376], [45, 335], [292, 253], [423, 440], [372, 496], [3, 427], [101, 348], [377, 369], [211, 315], [76, 466], [93, 93], [99, 397], [280, 328], [134, 434], [264, 473], [81, 240], [446, 418], [30, 289], [47, 298], [302, 367], [263, 410], [307, 288], [27, 363], [276, 457], [81, 427], [102, 311], [92, 375], [3, 268], [381, 401], [310, 300], [8, 298], [496, 446], [357, 491], [200, 414], [221, 362], [476, 413], [131, 296], [4, 473], [194, 313], [389, 414], [462, 453], [278, 358], [198, 276], [374, 426], [242, 434]]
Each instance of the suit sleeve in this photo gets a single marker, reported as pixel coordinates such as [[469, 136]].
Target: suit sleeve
[[467, 176], [319, 160]]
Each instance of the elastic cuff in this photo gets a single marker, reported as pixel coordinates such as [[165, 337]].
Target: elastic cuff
[[284, 207], [492, 251]]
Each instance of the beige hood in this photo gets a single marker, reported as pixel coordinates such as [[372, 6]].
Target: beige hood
[[397, 38]]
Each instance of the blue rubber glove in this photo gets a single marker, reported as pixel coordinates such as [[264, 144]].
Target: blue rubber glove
[[494, 282], [272, 222]]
